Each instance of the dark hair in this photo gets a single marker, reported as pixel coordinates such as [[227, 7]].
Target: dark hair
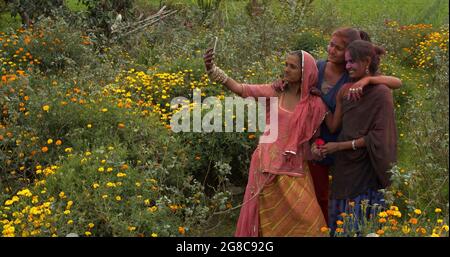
[[360, 50], [364, 36], [348, 35]]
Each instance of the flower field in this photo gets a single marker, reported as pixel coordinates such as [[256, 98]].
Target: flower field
[[86, 146]]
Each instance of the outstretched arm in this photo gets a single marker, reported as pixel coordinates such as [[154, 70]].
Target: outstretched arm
[[243, 90], [389, 81], [230, 83]]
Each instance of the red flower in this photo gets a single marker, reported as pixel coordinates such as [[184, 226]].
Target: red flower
[[319, 142]]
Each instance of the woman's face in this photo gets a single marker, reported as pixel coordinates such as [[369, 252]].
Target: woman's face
[[356, 69], [336, 50], [292, 69]]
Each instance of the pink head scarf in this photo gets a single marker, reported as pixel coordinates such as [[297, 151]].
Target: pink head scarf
[[309, 112]]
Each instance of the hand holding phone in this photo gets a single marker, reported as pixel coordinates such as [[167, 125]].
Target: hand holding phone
[[215, 44]]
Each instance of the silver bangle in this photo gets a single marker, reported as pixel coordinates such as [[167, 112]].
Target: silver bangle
[[353, 144]]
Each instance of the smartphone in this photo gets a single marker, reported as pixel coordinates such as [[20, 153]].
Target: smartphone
[[215, 44]]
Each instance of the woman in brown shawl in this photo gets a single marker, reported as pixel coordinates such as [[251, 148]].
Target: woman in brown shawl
[[367, 143]]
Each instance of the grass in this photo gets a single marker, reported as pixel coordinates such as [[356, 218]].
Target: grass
[[371, 12], [75, 5]]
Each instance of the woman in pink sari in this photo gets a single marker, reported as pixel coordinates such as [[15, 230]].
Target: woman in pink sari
[[279, 198]]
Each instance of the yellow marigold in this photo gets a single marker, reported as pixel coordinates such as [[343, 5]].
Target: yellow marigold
[[406, 229], [131, 228], [70, 222], [25, 192], [120, 174], [49, 141], [118, 198], [88, 233], [417, 211], [382, 214], [437, 210], [46, 108], [445, 227], [91, 225], [154, 235], [421, 230], [394, 208]]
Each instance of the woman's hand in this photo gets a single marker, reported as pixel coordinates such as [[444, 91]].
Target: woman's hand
[[356, 90], [316, 151], [329, 148], [208, 58], [315, 91]]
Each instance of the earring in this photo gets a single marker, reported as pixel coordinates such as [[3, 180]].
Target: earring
[[367, 70]]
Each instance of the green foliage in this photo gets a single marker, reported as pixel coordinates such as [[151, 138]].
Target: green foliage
[[310, 41], [29, 11], [102, 14]]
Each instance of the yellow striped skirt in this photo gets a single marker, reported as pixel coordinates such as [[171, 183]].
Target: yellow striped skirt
[[288, 207]]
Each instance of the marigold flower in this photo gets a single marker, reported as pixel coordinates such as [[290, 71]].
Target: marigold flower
[[380, 232], [181, 230], [445, 227], [44, 149], [413, 221], [417, 211], [58, 142], [49, 141], [324, 229], [437, 210], [46, 108], [120, 174], [154, 235], [91, 225]]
